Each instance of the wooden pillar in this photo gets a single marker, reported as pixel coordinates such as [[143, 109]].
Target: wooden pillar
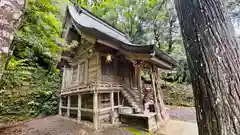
[[99, 71], [159, 85], [79, 107], [78, 74], [161, 103], [136, 78], [60, 106], [139, 83], [64, 78], [68, 106], [159, 91], [86, 72], [112, 107], [95, 111], [155, 95]]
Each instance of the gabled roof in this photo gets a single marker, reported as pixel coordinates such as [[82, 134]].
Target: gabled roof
[[85, 21]]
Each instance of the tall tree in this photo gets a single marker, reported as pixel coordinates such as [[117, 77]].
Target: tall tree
[[213, 60]]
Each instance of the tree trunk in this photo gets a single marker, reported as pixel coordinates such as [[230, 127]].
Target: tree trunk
[[213, 60], [11, 11], [10, 17]]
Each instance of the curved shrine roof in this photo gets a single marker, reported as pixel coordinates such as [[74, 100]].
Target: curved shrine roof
[[86, 22]]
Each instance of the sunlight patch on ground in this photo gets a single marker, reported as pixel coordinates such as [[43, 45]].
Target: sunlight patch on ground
[[137, 132]]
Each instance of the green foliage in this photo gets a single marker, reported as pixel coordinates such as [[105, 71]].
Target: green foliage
[[31, 81], [179, 75], [16, 74], [44, 100], [178, 94], [39, 35], [133, 17], [39, 97]]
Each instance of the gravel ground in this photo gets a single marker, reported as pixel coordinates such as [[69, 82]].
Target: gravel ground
[[187, 114], [55, 125]]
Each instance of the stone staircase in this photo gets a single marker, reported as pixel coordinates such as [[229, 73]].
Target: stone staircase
[[132, 98]]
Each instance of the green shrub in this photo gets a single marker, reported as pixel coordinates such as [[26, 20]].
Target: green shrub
[[178, 94], [37, 97]]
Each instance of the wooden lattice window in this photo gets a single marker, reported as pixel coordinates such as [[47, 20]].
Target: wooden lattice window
[[78, 74], [81, 73], [74, 74]]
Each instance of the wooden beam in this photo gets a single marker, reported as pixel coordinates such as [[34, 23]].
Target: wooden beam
[[79, 107], [68, 106], [85, 51], [95, 111], [160, 63], [109, 108], [86, 110], [112, 107], [64, 107], [73, 108], [132, 55]]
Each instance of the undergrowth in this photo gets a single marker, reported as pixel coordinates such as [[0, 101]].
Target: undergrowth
[[178, 94]]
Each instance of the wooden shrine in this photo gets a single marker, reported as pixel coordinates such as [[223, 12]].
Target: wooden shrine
[[105, 77]]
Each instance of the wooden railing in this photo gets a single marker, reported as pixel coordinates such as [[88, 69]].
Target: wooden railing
[[102, 86]]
